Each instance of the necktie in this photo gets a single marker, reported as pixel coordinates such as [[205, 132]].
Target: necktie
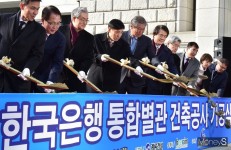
[[133, 44], [48, 35], [214, 73], [185, 64], [157, 49], [111, 43], [22, 25]]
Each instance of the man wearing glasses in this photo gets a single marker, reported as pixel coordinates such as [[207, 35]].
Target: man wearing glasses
[[79, 47], [23, 41], [51, 66], [161, 54], [140, 47], [219, 77]]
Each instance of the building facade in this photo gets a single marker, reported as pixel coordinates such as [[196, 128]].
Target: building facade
[[202, 21]]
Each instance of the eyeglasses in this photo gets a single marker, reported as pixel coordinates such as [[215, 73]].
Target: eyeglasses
[[175, 45], [162, 36], [139, 28], [222, 66], [83, 19], [54, 23]]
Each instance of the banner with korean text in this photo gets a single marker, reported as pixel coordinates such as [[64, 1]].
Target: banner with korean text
[[110, 122]]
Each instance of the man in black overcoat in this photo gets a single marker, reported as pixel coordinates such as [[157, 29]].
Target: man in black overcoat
[[23, 41]]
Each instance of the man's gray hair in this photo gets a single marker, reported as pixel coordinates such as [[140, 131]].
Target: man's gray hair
[[77, 11], [172, 39], [138, 20]]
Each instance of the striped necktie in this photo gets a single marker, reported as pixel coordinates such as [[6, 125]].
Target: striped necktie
[[157, 48], [22, 25]]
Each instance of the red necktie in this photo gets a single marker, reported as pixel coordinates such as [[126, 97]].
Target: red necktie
[[185, 64]]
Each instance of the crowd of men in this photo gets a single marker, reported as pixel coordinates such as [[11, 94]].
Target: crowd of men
[[38, 50]]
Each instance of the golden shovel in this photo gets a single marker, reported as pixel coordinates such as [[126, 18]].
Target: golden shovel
[[5, 63], [69, 63], [145, 61], [133, 69], [180, 79]]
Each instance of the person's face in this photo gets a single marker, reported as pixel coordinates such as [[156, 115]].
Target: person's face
[[29, 12], [80, 22], [191, 52], [138, 30], [205, 64], [52, 24], [115, 34], [174, 46], [160, 37], [220, 67]]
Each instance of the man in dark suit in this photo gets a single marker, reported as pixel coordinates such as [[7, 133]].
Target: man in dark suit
[[23, 41], [219, 77], [173, 43], [51, 66], [104, 74], [189, 67], [162, 54], [79, 47], [140, 46]]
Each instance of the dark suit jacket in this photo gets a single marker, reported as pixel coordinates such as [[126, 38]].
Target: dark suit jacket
[[144, 48], [106, 75], [25, 50], [205, 83], [191, 71], [82, 54], [164, 55], [218, 81], [177, 62], [52, 63]]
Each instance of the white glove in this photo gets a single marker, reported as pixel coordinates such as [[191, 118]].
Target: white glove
[[138, 71], [82, 75], [49, 90], [190, 86], [176, 84], [25, 72], [103, 57], [159, 69]]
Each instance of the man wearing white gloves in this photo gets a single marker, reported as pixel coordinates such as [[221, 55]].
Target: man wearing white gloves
[[23, 41], [79, 48], [104, 74], [51, 66], [140, 47], [162, 55]]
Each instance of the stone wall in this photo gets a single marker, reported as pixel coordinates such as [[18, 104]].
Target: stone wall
[[154, 11], [176, 14], [210, 19]]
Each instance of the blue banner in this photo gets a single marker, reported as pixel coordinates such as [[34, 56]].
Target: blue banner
[[110, 121]]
